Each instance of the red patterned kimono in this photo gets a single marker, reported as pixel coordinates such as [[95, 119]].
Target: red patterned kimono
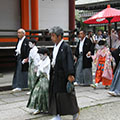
[[104, 72]]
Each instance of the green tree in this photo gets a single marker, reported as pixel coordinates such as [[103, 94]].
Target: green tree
[[79, 21]]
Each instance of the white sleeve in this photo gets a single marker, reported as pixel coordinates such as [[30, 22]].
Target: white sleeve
[[37, 60], [42, 65], [46, 63], [39, 67]]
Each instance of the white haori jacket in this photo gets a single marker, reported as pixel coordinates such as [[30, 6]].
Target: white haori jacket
[[44, 66], [33, 55]]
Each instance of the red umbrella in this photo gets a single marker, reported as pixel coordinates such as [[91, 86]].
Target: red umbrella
[[108, 15]]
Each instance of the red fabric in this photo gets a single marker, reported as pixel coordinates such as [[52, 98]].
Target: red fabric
[[98, 76], [101, 16]]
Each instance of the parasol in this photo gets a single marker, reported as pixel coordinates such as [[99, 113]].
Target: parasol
[[108, 15]]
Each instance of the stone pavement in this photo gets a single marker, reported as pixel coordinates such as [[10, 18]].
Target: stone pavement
[[13, 105], [6, 79], [92, 103]]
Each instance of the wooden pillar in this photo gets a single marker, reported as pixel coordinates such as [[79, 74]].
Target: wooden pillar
[[105, 28], [25, 14], [34, 15], [71, 14]]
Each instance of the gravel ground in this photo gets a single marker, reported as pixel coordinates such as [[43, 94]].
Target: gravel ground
[[109, 111]]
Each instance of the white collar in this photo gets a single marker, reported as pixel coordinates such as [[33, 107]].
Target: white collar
[[23, 38], [83, 39], [55, 52], [59, 44]]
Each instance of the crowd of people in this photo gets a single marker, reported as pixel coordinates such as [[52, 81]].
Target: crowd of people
[[104, 55], [46, 79], [51, 77]]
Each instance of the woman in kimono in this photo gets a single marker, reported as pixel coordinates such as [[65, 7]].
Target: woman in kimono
[[33, 60], [39, 95], [103, 59]]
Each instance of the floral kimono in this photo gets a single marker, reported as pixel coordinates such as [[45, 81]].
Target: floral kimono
[[34, 59], [39, 95], [104, 72]]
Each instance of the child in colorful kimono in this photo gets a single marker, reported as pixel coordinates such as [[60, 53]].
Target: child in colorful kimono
[[103, 59], [39, 95], [33, 60]]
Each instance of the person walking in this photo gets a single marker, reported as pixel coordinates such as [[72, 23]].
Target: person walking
[[83, 74], [116, 51], [115, 86], [98, 37], [20, 79], [38, 99], [114, 40], [103, 59], [62, 71], [33, 60]]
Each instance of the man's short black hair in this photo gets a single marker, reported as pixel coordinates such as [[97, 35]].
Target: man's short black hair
[[83, 31], [89, 32]]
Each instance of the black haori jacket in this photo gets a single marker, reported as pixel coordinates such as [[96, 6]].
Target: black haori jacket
[[63, 68], [116, 55], [24, 53], [61, 102], [88, 46]]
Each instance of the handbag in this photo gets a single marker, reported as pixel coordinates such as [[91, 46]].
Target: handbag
[[69, 87]]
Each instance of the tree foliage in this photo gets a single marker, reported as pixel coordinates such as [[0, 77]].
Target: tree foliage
[[79, 20]]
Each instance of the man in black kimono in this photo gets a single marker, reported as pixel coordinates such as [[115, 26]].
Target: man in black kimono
[[116, 55], [84, 64], [62, 71], [20, 79], [116, 51]]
